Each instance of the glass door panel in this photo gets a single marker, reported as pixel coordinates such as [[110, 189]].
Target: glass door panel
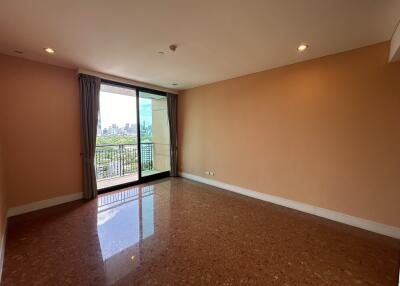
[[154, 134], [116, 159]]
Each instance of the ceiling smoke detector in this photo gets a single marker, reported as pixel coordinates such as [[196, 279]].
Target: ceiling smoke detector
[[173, 47]]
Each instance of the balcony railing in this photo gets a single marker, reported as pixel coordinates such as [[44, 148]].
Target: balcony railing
[[122, 159]]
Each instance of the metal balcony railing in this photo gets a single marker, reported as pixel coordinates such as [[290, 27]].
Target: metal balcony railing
[[122, 159]]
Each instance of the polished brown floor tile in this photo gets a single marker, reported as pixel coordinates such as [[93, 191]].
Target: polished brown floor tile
[[177, 232]]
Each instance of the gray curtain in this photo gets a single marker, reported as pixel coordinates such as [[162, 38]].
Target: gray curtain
[[173, 131], [89, 88]]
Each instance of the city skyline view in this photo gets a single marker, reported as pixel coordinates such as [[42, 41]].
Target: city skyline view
[[124, 121]]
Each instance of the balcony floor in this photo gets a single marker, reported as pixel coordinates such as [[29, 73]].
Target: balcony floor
[[106, 183]]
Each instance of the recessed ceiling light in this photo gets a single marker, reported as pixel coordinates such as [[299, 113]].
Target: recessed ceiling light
[[303, 47], [174, 84], [49, 50]]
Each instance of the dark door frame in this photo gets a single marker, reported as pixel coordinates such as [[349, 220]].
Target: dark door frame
[[141, 179]]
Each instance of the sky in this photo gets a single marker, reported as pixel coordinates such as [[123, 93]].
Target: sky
[[120, 109]]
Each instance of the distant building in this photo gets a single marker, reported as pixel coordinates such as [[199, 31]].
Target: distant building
[[99, 129], [114, 129]]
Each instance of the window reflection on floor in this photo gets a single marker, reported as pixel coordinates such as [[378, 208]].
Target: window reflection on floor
[[148, 215], [124, 219]]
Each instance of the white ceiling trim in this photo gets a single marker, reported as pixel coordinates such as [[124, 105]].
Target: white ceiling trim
[[126, 80]]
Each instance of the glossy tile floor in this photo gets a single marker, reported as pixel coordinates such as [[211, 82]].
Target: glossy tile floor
[[177, 232]]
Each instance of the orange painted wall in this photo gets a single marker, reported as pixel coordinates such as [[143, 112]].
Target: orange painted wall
[[40, 123], [324, 132]]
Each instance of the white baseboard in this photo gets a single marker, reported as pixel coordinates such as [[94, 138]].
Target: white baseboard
[[325, 213], [43, 204], [2, 248]]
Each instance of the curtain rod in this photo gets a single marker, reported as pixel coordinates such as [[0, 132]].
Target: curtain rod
[[125, 80]]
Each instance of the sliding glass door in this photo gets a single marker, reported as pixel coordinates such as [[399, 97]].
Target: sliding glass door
[[116, 160], [128, 116], [154, 134]]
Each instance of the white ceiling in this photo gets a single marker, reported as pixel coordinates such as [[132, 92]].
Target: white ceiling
[[217, 39]]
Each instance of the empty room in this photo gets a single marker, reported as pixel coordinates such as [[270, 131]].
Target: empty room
[[188, 142]]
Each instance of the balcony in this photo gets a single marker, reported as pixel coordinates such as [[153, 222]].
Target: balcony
[[118, 164]]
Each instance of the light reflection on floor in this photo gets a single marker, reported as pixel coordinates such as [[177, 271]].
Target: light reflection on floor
[[125, 218]]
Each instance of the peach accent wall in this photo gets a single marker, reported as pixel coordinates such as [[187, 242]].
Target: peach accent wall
[[324, 132], [40, 124]]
